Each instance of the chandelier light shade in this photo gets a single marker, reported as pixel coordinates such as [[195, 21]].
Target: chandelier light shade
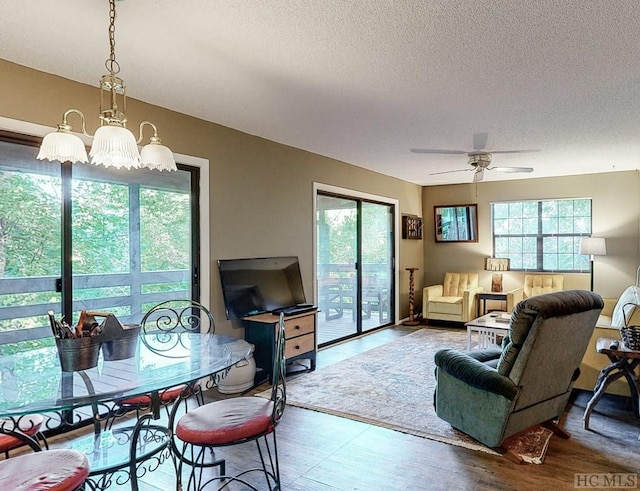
[[113, 144], [156, 156], [63, 146]]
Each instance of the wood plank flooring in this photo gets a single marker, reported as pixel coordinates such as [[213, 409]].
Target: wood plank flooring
[[320, 452]]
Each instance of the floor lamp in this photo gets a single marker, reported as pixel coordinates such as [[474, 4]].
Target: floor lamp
[[593, 246]]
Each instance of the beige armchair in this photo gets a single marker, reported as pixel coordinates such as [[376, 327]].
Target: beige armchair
[[454, 300], [535, 284]]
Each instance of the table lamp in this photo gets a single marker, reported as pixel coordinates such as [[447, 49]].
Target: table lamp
[[496, 264], [593, 246]]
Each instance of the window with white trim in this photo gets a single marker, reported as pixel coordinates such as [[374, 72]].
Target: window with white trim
[[542, 235]]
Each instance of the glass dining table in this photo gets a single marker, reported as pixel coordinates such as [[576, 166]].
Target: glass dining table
[[32, 382]]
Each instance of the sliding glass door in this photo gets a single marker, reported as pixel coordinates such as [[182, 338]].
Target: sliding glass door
[[354, 266]]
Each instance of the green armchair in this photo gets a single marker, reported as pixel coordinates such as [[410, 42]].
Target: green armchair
[[494, 394]]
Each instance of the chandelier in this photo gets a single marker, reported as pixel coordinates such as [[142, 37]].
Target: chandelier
[[113, 144]]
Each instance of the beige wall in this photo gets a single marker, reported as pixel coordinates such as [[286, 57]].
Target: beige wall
[[261, 191], [615, 202]]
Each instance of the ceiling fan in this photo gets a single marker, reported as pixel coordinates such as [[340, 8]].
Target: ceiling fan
[[479, 159]]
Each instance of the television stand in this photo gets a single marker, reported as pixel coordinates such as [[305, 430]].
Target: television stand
[[300, 339]]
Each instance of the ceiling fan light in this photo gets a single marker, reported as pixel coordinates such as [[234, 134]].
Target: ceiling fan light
[[63, 146], [115, 146], [156, 156]]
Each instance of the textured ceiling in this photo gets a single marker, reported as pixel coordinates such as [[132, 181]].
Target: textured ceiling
[[364, 81]]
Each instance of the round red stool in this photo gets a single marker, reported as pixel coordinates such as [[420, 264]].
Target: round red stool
[[50, 470]]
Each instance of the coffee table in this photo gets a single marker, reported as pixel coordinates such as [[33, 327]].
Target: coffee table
[[487, 329]]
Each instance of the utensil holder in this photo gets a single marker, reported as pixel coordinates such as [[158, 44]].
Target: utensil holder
[[78, 353], [123, 346]]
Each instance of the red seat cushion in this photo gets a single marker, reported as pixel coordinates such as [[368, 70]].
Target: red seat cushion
[[29, 425], [51, 470], [226, 421], [166, 396]]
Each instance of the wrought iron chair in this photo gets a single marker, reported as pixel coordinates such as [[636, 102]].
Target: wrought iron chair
[[23, 431], [232, 422], [164, 328], [167, 329], [61, 470]]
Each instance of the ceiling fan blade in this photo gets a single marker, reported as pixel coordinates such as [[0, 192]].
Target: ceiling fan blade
[[450, 171], [480, 140], [479, 175], [515, 151], [434, 150], [512, 169]]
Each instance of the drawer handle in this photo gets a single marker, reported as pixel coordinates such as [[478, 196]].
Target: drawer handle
[[297, 346], [297, 327]]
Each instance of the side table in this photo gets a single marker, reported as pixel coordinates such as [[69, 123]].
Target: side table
[[623, 363], [484, 296]]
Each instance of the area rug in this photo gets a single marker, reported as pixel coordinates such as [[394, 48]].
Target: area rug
[[391, 386]]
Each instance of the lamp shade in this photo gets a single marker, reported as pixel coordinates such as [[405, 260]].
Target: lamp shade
[[496, 264], [115, 146], [156, 156], [593, 246], [63, 146]]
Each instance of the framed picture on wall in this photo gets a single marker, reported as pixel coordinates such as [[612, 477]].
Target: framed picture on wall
[[411, 227], [456, 223]]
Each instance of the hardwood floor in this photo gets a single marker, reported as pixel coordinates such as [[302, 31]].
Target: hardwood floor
[[320, 452]]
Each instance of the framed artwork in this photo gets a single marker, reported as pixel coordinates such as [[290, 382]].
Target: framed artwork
[[456, 223], [411, 227]]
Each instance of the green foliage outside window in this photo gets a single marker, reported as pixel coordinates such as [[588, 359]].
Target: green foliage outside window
[[102, 213], [542, 235]]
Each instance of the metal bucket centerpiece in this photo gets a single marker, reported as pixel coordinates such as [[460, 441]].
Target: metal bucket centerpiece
[[121, 340], [79, 346], [78, 353]]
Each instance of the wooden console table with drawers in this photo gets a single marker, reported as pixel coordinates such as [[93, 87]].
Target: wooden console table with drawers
[[300, 340]]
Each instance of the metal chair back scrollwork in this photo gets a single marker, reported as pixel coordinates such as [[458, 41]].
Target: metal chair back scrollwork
[[168, 327]]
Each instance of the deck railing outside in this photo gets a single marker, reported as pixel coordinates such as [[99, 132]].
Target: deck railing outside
[[126, 295]]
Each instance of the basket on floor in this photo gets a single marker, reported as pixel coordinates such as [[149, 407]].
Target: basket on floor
[[631, 337]]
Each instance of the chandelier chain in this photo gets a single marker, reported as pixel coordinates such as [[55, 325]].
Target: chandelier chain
[[111, 64]]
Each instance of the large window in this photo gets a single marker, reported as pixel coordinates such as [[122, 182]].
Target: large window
[[83, 237], [542, 235]]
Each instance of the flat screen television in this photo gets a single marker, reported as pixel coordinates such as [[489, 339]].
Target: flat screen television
[[259, 285]]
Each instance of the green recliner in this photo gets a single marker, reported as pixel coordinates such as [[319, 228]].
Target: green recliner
[[494, 394]]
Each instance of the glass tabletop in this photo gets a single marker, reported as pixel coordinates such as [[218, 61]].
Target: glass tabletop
[[31, 380]]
